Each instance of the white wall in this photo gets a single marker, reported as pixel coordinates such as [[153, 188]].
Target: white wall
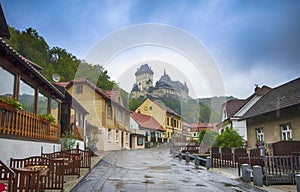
[[21, 149], [241, 128]]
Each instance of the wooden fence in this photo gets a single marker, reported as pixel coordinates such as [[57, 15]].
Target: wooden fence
[[27, 125]]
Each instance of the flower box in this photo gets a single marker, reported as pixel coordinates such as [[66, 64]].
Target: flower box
[[7, 106]]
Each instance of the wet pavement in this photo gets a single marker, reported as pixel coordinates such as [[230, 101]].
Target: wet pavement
[[154, 170]]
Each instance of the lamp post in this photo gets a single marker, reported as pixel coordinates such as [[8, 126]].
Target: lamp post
[[173, 147]]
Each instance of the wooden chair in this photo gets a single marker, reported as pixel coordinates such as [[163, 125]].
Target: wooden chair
[[26, 180], [6, 177], [54, 179]]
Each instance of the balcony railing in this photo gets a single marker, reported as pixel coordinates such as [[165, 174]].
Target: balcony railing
[[24, 124]]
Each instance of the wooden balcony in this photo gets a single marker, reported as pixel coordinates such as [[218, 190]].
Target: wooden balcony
[[26, 125]]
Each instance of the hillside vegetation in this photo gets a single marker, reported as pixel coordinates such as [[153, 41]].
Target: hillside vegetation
[[56, 60]]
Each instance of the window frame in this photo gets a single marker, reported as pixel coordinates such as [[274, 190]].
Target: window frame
[[260, 134], [287, 134]]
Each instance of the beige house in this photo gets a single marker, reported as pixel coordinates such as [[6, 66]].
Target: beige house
[[276, 116], [165, 116], [106, 111]]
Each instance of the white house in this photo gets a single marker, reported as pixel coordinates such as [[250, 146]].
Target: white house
[[234, 109]]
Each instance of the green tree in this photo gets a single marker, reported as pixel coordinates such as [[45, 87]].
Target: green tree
[[229, 138], [207, 137]]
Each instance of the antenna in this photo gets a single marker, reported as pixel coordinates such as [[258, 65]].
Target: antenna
[[55, 78]]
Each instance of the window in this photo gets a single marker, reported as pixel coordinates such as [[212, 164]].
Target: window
[[42, 104], [286, 132], [120, 115], [26, 96], [140, 140], [195, 134], [108, 134], [109, 111], [54, 108], [168, 120], [139, 111], [117, 136], [126, 136], [79, 89], [260, 134], [150, 108], [146, 108], [7, 88]]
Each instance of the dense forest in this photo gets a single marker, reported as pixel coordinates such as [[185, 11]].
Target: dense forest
[[56, 60]]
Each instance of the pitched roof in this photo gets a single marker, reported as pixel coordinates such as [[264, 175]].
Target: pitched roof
[[233, 106], [144, 69], [166, 108], [280, 97], [146, 121], [113, 95], [92, 86]]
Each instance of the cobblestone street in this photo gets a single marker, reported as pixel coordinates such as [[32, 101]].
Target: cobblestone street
[[154, 170]]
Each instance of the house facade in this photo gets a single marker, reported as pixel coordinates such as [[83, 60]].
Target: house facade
[[276, 116], [153, 131], [233, 110], [105, 112], [165, 116], [195, 128], [24, 132], [137, 136]]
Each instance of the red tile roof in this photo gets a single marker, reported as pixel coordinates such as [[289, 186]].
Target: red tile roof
[[146, 121], [113, 94]]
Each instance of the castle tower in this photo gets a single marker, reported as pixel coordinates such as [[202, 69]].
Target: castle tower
[[144, 78]]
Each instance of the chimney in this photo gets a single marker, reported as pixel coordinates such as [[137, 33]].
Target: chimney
[[256, 88]]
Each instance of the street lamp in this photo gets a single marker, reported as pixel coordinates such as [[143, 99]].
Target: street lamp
[[173, 147]]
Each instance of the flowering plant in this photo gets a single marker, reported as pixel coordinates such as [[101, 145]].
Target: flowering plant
[[48, 117], [13, 102], [260, 144]]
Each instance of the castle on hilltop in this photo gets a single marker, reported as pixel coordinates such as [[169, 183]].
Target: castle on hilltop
[[164, 86]]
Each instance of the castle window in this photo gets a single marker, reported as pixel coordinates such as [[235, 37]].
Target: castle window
[[139, 111], [146, 108], [150, 108]]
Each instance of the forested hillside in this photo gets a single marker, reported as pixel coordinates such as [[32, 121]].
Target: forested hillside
[[195, 110], [56, 60]]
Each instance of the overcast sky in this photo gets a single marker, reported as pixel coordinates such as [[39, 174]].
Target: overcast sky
[[252, 42]]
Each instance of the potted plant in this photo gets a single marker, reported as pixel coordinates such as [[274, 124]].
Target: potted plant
[[47, 118], [10, 104]]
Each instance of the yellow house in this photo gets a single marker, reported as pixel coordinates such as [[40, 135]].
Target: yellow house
[[106, 111], [165, 116]]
